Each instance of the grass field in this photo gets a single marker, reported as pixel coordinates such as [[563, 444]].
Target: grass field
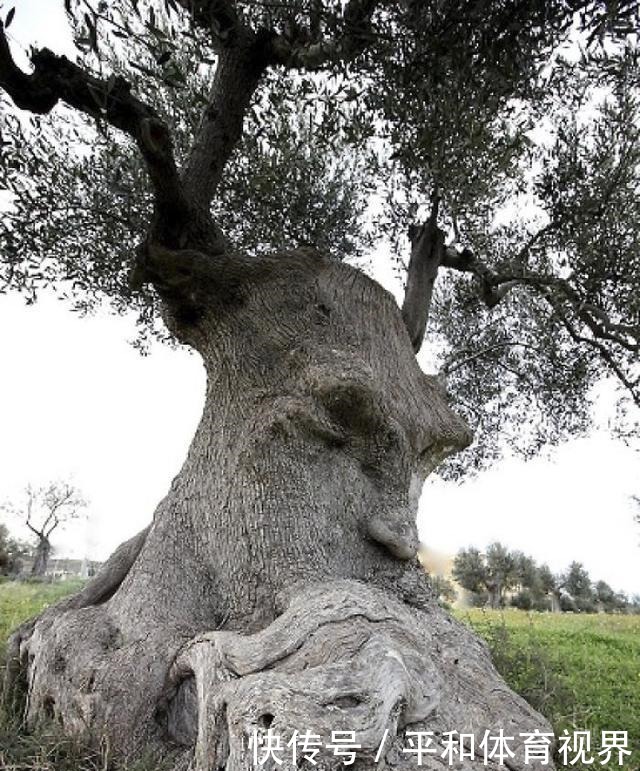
[[581, 671], [20, 601]]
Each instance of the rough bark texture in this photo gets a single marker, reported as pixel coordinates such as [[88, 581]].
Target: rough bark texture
[[278, 585], [41, 558]]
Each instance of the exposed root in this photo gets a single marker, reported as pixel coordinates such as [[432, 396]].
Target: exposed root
[[343, 657], [97, 591]]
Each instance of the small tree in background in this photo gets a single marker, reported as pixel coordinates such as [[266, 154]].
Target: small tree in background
[[526, 571], [577, 583], [43, 511], [491, 574], [549, 586], [502, 573], [469, 570], [609, 600]]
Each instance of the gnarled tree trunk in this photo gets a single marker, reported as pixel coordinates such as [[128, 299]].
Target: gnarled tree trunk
[[278, 585], [41, 556]]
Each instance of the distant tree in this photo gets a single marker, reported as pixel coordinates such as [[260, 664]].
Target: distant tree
[[577, 581], [604, 595], [547, 580], [609, 600], [44, 510], [493, 573], [4, 543], [577, 584], [549, 586], [535, 584], [524, 600], [469, 570], [526, 571], [501, 572]]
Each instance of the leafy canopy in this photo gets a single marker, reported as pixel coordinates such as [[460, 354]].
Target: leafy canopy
[[516, 123]]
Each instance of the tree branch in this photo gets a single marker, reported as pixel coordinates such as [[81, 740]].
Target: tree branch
[[451, 365], [603, 351], [556, 291], [56, 79], [298, 53], [238, 73], [495, 286], [33, 530], [427, 250]]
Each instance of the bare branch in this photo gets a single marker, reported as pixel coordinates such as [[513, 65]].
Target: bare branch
[[33, 530], [49, 506]]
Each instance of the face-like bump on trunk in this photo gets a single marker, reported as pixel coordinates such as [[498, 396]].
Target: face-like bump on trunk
[[397, 531], [280, 560], [341, 390], [395, 527]]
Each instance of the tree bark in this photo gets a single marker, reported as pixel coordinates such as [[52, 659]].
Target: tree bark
[[278, 585], [41, 557]]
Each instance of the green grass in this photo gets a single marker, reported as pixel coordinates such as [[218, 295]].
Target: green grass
[[45, 749], [20, 601], [581, 671]]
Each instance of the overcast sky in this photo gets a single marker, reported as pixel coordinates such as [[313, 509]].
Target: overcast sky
[[77, 401]]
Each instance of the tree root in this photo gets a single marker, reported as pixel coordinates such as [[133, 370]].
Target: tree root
[[343, 657], [97, 591]]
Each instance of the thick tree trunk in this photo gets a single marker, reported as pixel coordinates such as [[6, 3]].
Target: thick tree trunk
[[41, 557], [278, 585]]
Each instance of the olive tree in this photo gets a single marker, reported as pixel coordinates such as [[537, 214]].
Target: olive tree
[[43, 510], [210, 163], [490, 574]]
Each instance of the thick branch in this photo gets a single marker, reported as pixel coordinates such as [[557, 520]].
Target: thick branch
[[54, 525], [56, 79], [40, 534], [427, 250], [495, 286], [237, 76]]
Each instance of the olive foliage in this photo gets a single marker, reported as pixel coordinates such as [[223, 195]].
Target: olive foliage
[[518, 120]]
